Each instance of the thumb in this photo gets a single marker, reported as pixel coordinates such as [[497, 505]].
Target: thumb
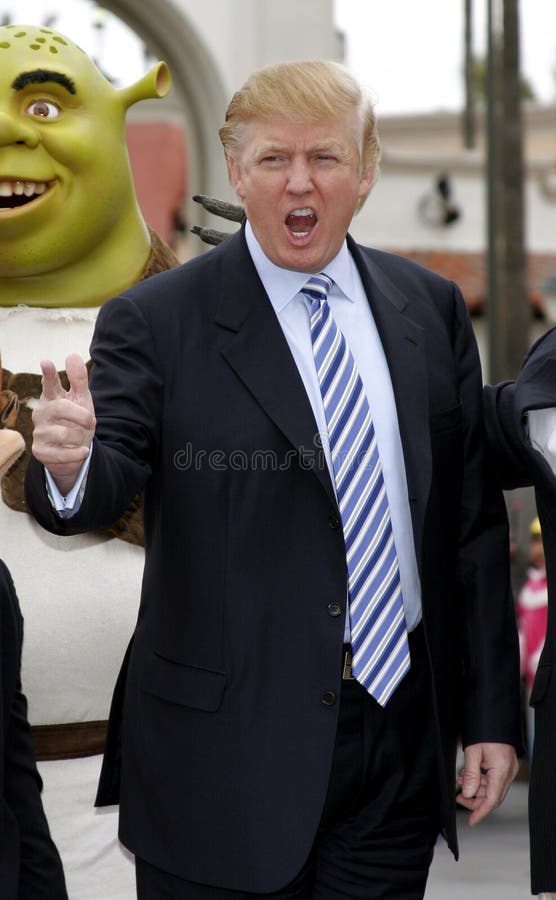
[[78, 378], [471, 778], [51, 384]]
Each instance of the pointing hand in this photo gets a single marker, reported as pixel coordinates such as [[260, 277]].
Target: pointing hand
[[64, 422]]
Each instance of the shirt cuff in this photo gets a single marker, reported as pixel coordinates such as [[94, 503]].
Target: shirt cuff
[[67, 506]]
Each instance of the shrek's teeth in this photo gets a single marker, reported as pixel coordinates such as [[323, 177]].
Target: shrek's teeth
[[20, 188]]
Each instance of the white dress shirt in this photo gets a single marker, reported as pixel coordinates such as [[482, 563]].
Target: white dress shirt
[[352, 313]]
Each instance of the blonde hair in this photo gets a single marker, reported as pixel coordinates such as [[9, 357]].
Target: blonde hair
[[303, 91]]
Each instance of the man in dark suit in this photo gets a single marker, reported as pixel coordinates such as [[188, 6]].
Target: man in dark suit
[[521, 424], [30, 867], [326, 602]]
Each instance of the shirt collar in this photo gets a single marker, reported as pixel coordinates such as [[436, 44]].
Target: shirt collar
[[282, 285]]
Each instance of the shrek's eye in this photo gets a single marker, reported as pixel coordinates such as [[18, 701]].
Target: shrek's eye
[[43, 109]]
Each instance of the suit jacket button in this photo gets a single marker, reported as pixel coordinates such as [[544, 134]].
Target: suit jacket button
[[335, 609], [334, 522], [329, 698]]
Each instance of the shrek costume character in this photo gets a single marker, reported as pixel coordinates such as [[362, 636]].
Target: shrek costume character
[[71, 236]]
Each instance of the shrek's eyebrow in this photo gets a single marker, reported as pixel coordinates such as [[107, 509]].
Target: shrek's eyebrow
[[43, 76]]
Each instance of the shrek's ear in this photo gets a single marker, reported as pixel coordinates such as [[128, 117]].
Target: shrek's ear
[[156, 83]]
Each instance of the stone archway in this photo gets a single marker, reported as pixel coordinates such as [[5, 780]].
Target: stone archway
[[199, 89]]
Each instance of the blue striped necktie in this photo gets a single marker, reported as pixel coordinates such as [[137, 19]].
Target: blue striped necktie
[[378, 628]]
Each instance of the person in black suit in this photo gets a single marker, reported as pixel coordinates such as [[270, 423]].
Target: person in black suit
[[30, 867], [521, 425], [256, 744]]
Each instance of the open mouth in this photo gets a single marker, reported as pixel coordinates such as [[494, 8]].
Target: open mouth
[[19, 193], [301, 221]]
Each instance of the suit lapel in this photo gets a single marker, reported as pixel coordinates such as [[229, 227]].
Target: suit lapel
[[254, 346], [404, 346], [256, 349]]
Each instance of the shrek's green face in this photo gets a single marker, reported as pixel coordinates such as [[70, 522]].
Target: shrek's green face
[[64, 171]]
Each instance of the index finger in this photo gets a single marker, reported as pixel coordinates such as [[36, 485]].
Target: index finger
[[78, 376], [51, 384]]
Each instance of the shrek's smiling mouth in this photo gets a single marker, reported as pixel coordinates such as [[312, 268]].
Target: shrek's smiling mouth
[[15, 192]]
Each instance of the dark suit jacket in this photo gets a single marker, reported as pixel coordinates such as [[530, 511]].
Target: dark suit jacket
[[30, 868], [226, 742], [519, 464]]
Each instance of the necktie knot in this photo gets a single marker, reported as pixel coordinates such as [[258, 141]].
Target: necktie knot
[[317, 287]]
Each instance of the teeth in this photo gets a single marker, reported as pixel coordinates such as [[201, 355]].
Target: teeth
[[18, 188], [302, 212]]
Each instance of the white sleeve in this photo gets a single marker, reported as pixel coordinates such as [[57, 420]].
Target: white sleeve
[[542, 433]]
